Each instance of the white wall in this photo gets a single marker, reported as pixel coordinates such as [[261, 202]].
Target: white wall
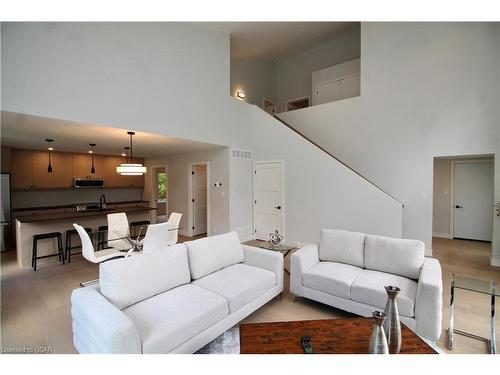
[[21, 199], [319, 191], [178, 176], [295, 71], [257, 78], [427, 89], [441, 198], [166, 78], [173, 79]]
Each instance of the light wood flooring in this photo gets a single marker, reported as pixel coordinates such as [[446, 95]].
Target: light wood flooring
[[35, 306]]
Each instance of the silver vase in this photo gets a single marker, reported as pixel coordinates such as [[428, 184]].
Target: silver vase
[[378, 341], [392, 325]]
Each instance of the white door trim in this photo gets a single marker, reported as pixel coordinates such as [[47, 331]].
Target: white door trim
[[283, 203], [452, 185], [190, 197]]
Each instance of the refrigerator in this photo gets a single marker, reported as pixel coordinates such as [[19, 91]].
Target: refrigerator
[[5, 212]]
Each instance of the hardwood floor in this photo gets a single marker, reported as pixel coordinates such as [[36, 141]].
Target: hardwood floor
[[35, 306]]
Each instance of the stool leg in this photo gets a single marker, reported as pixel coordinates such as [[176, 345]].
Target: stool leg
[[34, 255], [60, 248], [68, 249]]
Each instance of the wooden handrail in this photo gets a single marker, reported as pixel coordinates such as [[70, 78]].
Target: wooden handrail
[[333, 156]]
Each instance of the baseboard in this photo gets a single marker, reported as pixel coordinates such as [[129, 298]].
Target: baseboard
[[443, 235], [495, 262], [184, 233]]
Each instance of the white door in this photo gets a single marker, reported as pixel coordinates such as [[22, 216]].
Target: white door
[[200, 199], [268, 199], [473, 206], [328, 92]]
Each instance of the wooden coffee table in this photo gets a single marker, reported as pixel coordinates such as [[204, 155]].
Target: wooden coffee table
[[329, 336]]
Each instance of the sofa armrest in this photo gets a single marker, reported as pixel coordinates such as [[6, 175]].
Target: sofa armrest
[[266, 259], [99, 326], [429, 300], [300, 261]]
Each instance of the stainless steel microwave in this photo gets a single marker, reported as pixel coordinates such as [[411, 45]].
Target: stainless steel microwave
[[88, 183]]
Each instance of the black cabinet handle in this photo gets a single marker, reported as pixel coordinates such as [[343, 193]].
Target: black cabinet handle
[[278, 207], [457, 206]]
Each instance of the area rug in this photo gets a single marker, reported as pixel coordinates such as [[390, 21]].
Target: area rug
[[227, 343]]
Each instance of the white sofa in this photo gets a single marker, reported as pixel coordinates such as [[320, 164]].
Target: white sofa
[[175, 300], [349, 270]]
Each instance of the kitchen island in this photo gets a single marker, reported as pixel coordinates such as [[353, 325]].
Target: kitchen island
[[61, 220]]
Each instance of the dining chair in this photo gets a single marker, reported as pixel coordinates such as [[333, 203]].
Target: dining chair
[[93, 256], [156, 238], [119, 231], [173, 228]]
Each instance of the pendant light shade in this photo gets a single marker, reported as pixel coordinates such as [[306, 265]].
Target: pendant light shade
[[91, 152], [130, 168], [50, 148]]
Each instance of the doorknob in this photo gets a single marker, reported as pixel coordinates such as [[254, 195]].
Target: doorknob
[[278, 207], [457, 206]]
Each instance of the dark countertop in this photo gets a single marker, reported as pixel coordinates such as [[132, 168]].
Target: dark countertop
[[72, 205], [70, 215]]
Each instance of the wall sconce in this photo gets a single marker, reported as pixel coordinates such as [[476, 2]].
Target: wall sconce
[[241, 95]]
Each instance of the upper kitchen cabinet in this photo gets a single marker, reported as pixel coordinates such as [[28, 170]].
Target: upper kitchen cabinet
[[41, 177], [21, 169], [29, 170], [62, 169], [82, 164]]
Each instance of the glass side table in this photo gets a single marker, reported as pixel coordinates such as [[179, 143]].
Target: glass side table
[[477, 286]]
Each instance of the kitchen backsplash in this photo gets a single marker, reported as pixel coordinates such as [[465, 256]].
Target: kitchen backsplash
[[40, 198]]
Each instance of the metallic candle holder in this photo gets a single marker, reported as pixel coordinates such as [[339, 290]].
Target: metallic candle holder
[[378, 341], [392, 325]]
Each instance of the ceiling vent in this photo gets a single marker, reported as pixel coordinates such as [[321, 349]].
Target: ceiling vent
[[241, 154]]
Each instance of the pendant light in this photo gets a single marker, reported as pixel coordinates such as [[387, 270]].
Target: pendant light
[[91, 152], [130, 168], [50, 148]]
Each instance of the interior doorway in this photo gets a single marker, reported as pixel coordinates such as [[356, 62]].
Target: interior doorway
[[463, 202], [160, 191], [199, 199]]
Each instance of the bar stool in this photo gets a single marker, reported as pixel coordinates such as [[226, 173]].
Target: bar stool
[[68, 247], [138, 224], [101, 236], [45, 236]]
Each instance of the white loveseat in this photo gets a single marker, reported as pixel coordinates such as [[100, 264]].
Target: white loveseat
[[349, 270], [175, 300]]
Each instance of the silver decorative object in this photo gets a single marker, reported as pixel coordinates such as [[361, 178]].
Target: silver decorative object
[[378, 341], [276, 239], [392, 325]]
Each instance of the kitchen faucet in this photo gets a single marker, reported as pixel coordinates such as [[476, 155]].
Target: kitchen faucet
[[102, 202]]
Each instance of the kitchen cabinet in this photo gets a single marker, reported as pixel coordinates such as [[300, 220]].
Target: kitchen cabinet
[[29, 170], [82, 164], [41, 177], [21, 169], [62, 170]]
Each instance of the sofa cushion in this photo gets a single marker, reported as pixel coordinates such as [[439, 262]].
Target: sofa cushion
[[368, 288], [169, 319], [332, 278], [129, 280], [342, 246], [394, 255], [239, 284], [211, 254]]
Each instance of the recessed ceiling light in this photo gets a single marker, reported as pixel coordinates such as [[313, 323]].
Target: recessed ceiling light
[[124, 154]]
